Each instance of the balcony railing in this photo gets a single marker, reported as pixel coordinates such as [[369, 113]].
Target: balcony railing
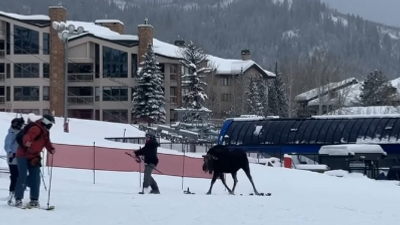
[[2, 53], [80, 77], [80, 100], [2, 77]]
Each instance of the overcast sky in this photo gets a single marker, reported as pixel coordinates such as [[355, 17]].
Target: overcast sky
[[382, 11]]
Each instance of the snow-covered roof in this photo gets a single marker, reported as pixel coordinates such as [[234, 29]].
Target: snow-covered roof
[[24, 17], [109, 21], [347, 96], [324, 89], [356, 116], [370, 110], [223, 66], [351, 149]]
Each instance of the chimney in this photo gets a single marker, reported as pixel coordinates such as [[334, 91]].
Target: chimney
[[180, 43], [145, 34], [57, 57], [114, 25], [246, 55]]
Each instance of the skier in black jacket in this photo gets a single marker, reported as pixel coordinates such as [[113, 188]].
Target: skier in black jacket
[[149, 152]]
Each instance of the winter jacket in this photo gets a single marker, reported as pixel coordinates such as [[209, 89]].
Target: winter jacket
[[11, 146], [149, 151], [36, 145]]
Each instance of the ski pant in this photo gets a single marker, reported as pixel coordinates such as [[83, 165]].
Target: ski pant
[[148, 180], [13, 177], [24, 166]]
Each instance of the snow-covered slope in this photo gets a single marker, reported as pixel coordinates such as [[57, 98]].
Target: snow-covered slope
[[298, 197]]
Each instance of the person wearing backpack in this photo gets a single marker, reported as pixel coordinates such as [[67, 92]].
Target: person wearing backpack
[[10, 146], [32, 139]]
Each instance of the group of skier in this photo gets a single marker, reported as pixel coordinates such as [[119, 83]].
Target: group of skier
[[24, 144]]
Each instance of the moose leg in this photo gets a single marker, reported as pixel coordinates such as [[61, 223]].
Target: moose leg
[[221, 176], [247, 171], [234, 176], [214, 178]]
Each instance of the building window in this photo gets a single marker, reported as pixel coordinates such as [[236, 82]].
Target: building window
[[46, 70], [134, 65], [26, 41], [27, 111], [224, 81], [173, 72], [2, 94], [118, 116], [8, 70], [46, 112], [27, 93], [2, 72], [26, 70], [8, 38], [8, 94], [115, 63], [225, 97], [115, 94], [162, 69], [46, 93], [97, 93], [96, 60], [46, 43]]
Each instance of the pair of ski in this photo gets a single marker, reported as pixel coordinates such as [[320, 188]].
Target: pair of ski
[[27, 206]]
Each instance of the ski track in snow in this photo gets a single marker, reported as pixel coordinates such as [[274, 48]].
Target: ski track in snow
[[298, 197]]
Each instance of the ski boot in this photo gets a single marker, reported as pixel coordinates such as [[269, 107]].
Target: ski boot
[[10, 198], [155, 191], [18, 203], [33, 204]]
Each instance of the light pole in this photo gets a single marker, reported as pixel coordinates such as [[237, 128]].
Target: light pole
[[65, 31]]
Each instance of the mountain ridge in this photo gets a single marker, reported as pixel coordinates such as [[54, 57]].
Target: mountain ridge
[[272, 30]]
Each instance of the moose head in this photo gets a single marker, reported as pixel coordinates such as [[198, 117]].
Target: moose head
[[208, 163]]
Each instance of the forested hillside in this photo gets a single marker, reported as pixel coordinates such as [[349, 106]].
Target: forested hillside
[[286, 31]]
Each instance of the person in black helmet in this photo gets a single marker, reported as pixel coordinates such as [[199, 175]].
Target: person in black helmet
[[149, 152], [11, 146]]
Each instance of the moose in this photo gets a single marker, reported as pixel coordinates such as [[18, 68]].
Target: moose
[[220, 160]]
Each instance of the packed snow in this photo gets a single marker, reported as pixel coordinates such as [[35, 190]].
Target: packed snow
[[79, 195], [111, 198]]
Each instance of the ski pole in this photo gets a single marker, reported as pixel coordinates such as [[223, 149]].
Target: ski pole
[[44, 183], [50, 181], [127, 153]]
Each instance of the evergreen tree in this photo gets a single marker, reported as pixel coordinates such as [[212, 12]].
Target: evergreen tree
[[376, 90], [253, 103], [278, 101], [195, 60], [148, 95]]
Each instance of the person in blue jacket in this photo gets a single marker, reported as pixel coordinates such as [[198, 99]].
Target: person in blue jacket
[[11, 146]]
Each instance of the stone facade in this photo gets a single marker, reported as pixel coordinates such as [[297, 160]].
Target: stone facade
[[145, 33], [57, 66]]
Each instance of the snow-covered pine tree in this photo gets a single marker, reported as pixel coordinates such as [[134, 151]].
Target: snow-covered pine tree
[[278, 103], [263, 94], [254, 104], [195, 60], [148, 95], [376, 90]]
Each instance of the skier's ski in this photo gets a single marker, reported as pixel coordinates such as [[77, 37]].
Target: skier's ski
[[27, 206]]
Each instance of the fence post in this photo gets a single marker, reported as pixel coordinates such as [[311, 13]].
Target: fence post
[[183, 166], [94, 162], [140, 171], [123, 139]]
